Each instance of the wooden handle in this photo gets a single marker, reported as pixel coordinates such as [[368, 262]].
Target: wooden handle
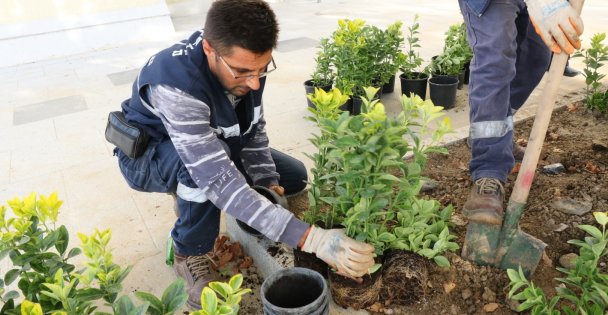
[[541, 123]]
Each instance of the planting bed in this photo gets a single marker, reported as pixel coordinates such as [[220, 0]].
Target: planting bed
[[577, 139]]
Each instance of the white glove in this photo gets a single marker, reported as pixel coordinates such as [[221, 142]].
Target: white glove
[[350, 258], [557, 23]]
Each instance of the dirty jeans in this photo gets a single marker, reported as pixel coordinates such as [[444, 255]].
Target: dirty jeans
[[159, 169], [509, 61]]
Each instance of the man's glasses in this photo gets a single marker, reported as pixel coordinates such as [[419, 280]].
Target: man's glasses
[[249, 76]]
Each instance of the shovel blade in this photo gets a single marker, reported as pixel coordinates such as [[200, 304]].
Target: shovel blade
[[481, 243], [525, 251]]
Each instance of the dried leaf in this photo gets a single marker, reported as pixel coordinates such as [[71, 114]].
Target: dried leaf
[[462, 166], [224, 258], [246, 262], [516, 168], [522, 142], [592, 168], [572, 107]]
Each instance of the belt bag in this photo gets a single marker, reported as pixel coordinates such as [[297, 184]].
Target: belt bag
[[132, 140]]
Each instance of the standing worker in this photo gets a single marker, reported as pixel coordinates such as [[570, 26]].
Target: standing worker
[[200, 102], [509, 39]]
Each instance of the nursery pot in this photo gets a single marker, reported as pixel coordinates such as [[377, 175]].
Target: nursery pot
[[353, 105], [443, 90], [389, 87], [467, 72], [309, 87], [295, 291], [461, 79], [417, 85], [270, 195]]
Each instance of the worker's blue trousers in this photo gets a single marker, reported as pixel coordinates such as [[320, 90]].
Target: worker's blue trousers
[[509, 61]]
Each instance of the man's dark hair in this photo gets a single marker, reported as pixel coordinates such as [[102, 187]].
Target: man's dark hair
[[249, 24]]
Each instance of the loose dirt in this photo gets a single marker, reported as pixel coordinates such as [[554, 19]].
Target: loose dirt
[[578, 140]]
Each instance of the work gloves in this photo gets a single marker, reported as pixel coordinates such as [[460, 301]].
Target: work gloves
[[557, 23], [350, 258]]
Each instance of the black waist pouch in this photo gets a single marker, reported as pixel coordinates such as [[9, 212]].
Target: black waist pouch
[[132, 140]]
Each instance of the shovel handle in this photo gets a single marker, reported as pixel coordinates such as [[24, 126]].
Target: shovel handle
[[525, 176]]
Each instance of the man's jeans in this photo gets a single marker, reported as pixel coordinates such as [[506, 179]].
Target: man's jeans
[[159, 169], [509, 61]]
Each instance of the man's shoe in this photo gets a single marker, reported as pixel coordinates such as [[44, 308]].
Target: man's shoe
[[197, 272], [570, 72], [485, 202]]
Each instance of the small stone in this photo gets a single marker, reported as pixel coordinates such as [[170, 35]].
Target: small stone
[[554, 169], [561, 227], [466, 293], [389, 311], [448, 287], [571, 206], [490, 307], [599, 146], [454, 309], [568, 261], [488, 295], [428, 185]]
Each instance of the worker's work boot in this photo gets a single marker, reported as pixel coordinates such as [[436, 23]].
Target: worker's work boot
[[197, 272], [485, 202]]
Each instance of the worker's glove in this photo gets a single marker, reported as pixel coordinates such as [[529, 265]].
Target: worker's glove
[[350, 258], [277, 189], [557, 23]]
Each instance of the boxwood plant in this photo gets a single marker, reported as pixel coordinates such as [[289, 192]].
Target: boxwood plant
[[41, 279], [362, 182]]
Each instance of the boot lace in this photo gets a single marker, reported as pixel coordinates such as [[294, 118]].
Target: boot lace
[[489, 186], [198, 266]]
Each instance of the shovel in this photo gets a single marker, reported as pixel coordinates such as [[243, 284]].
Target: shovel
[[507, 246]]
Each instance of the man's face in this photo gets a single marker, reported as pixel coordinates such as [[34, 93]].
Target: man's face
[[243, 64]]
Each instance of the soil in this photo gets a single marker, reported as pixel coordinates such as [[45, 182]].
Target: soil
[[577, 139]]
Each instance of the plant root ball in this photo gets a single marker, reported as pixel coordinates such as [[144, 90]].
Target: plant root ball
[[404, 277]]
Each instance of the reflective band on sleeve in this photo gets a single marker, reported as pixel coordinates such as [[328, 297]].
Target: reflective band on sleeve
[[191, 194]]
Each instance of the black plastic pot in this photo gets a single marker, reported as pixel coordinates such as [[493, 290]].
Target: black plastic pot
[[467, 72], [389, 87], [295, 291], [309, 87], [270, 195], [443, 90], [417, 85], [461, 80]]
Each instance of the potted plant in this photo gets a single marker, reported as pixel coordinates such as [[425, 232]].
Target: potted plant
[[594, 58], [456, 40], [356, 58], [362, 183], [412, 79], [390, 55], [445, 68], [323, 74]]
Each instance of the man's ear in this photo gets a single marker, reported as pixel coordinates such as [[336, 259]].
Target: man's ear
[[207, 49]]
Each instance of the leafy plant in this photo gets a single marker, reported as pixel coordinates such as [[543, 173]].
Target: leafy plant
[[38, 250], [361, 182], [363, 55], [585, 289], [456, 52], [230, 295], [323, 74], [593, 58], [412, 59]]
